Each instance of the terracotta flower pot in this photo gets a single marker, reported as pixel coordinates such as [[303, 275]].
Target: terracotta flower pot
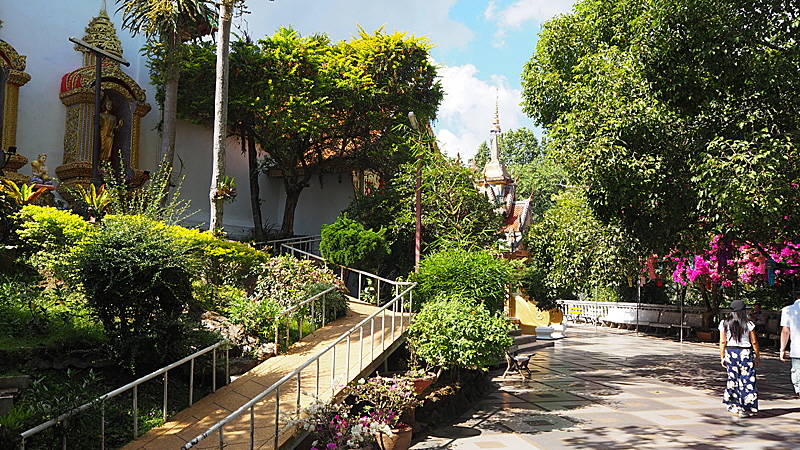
[[421, 383], [400, 439]]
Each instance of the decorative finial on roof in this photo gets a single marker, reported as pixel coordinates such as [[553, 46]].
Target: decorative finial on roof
[[496, 123], [101, 33]]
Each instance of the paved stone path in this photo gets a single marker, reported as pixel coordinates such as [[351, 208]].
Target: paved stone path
[[609, 389]]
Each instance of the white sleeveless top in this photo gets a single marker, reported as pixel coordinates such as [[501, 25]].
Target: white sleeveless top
[[732, 342]]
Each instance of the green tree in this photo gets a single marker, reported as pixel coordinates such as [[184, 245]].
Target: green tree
[[516, 147], [453, 211], [572, 253], [166, 24], [328, 105], [348, 243], [314, 106], [675, 115]]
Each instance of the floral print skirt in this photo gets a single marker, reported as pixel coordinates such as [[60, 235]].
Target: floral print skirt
[[740, 390]]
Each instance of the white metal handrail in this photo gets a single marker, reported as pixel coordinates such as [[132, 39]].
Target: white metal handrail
[[286, 313], [290, 245], [134, 385], [396, 306]]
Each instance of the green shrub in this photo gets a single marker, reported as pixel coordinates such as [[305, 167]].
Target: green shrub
[[135, 278], [335, 303], [349, 244], [46, 399], [213, 297], [472, 274], [283, 282], [284, 279], [47, 233], [33, 316], [221, 261], [458, 332], [256, 316]]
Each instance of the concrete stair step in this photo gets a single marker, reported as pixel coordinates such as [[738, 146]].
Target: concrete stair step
[[524, 339], [532, 347], [517, 332]]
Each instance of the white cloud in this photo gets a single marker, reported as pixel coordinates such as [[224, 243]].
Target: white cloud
[[339, 19], [467, 111], [522, 11]]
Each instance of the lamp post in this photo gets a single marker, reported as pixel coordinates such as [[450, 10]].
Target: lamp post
[[99, 53], [417, 198]]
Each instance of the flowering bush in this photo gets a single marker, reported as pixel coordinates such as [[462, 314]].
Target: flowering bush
[[285, 279], [335, 427], [387, 397]]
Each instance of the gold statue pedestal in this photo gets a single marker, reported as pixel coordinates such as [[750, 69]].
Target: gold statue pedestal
[[47, 198], [16, 161], [76, 174]]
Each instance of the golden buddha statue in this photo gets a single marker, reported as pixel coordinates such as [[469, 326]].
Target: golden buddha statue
[[108, 128]]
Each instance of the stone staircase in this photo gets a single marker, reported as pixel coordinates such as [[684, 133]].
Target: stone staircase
[[524, 344]]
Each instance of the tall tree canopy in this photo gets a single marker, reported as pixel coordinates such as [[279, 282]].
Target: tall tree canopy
[[454, 213], [680, 116], [314, 106]]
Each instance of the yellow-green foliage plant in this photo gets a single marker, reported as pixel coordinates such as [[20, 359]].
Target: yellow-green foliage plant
[[47, 234]]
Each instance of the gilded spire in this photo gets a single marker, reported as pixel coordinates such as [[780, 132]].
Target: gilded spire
[[102, 34]]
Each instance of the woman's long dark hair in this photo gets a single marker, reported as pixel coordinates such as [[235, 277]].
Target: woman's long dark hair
[[736, 324]]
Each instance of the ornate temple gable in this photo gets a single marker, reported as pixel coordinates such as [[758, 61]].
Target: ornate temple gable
[[127, 105], [79, 83]]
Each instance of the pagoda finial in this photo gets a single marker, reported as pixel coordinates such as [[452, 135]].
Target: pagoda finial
[[495, 150], [101, 33], [496, 123]]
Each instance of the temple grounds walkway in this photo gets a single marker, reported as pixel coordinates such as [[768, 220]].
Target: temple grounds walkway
[[189, 423], [609, 389]]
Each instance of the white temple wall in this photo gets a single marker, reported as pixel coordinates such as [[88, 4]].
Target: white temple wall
[[40, 29]]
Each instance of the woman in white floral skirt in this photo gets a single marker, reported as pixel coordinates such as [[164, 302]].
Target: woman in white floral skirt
[[739, 354]]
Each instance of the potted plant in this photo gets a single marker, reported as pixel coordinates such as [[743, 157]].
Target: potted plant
[[420, 378], [341, 427], [387, 398]]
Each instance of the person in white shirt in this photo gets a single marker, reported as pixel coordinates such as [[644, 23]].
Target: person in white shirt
[[790, 321], [739, 355]]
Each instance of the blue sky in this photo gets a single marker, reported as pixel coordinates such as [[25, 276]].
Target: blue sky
[[481, 48]]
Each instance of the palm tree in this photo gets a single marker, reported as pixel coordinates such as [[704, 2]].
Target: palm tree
[[168, 22]]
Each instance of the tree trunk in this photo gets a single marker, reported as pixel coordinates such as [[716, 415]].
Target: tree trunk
[[220, 114], [292, 199], [255, 190], [170, 111]]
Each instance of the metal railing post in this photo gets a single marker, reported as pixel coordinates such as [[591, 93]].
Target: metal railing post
[[277, 413], [191, 384], [347, 361], [252, 426], [166, 390], [135, 412]]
